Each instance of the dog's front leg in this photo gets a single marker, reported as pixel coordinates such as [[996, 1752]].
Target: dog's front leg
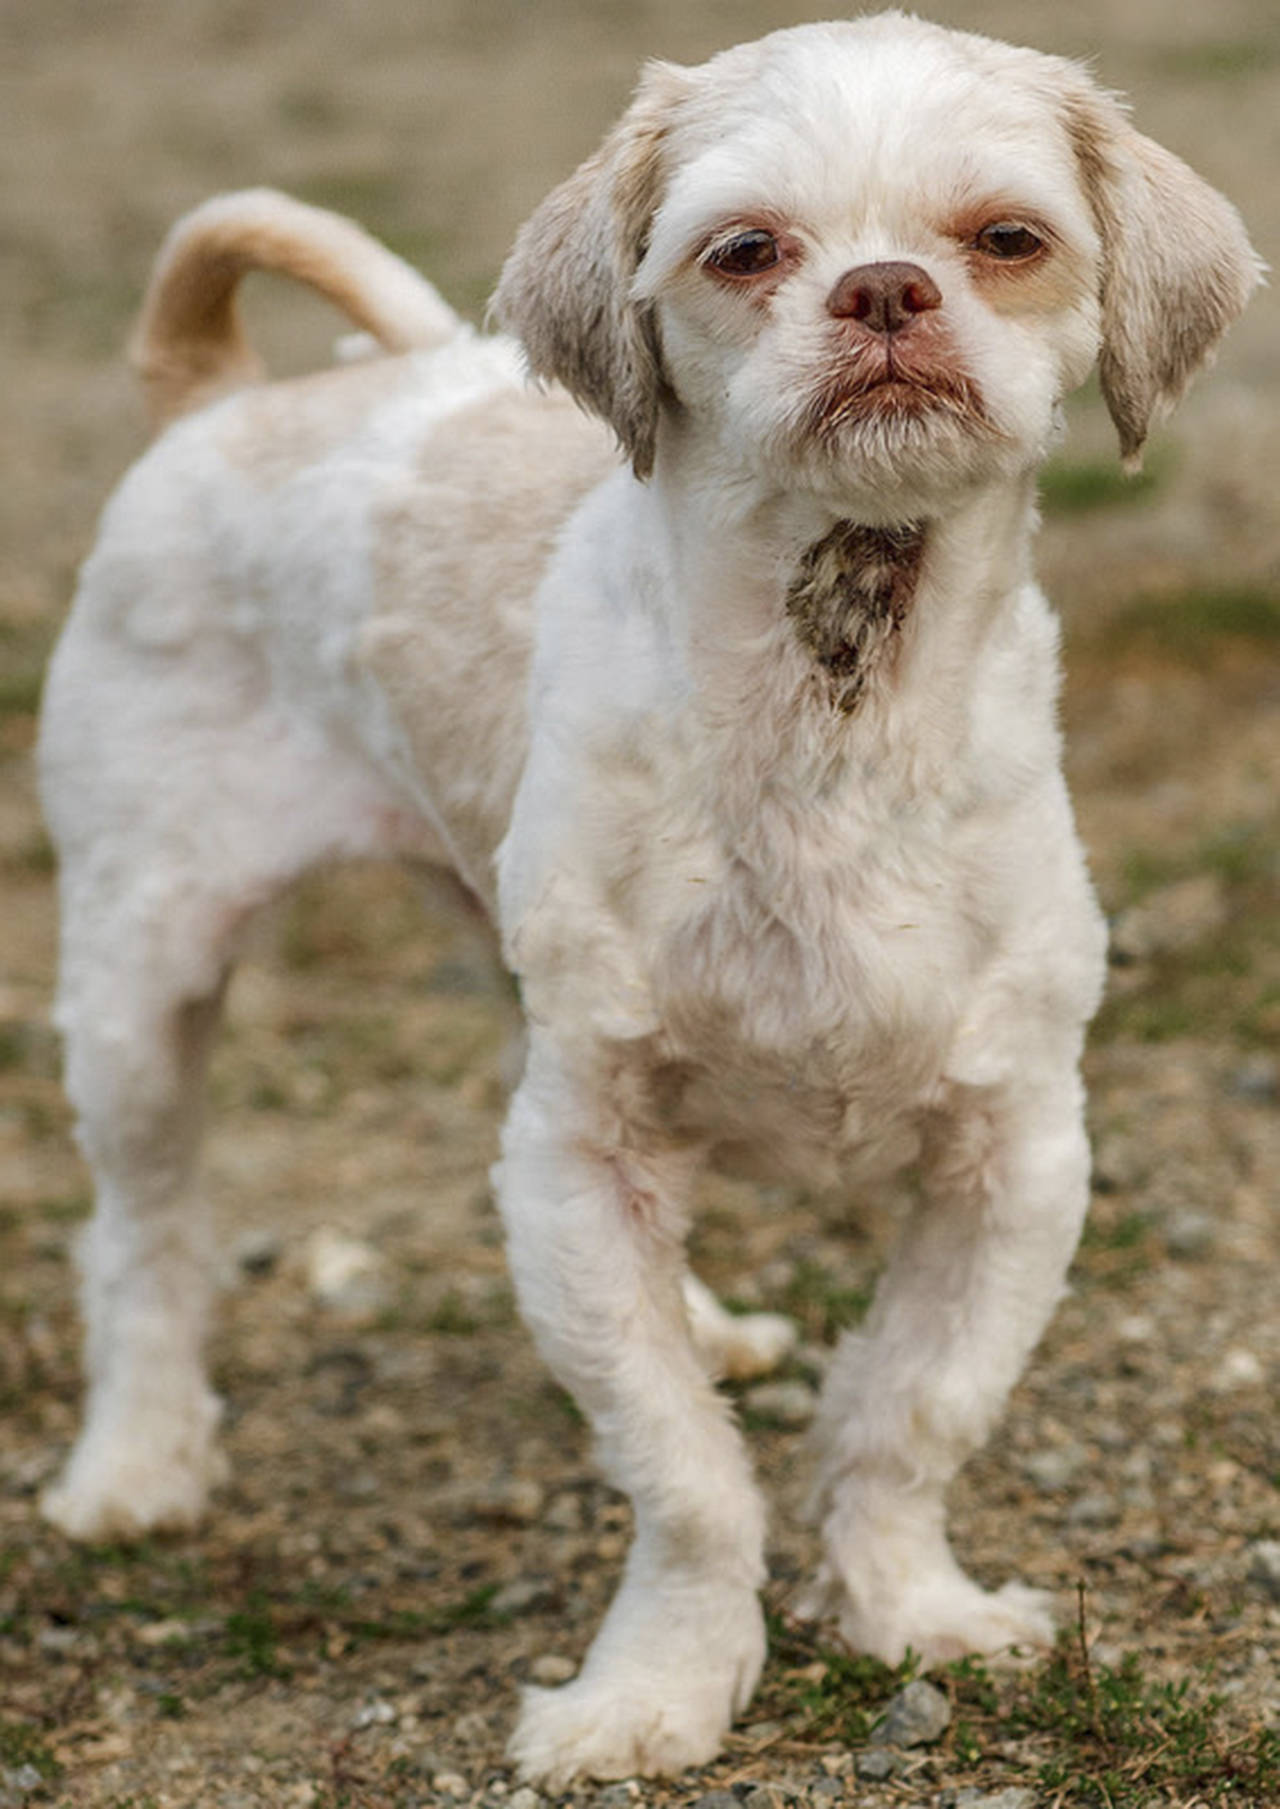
[[913, 1392], [595, 1233]]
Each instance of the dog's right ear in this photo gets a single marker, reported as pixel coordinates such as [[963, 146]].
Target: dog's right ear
[[1177, 266], [565, 290]]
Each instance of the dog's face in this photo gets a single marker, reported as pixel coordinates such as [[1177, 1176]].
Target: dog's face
[[869, 259]]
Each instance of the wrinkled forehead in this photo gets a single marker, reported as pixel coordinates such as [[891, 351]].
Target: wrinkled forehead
[[877, 124]]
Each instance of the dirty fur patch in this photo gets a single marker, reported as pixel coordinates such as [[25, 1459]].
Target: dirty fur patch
[[849, 599]]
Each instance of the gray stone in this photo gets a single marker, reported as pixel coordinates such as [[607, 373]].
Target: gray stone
[[877, 1765], [916, 1716], [1237, 1368], [258, 1252], [766, 1796], [1256, 1079], [1094, 1509], [21, 1780], [1264, 1565], [374, 1713], [1054, 1469], [522, 1594], [1174, 918], [967, 1797], [826, 1790], [618, 1796], [346, 1274], [717, 1799], [1188, 1233]]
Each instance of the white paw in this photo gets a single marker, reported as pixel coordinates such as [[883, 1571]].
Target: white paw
[[641, 1726], [939, 1616], [156, 1477], [656, 1694], [756, 1344], [738, 1346]]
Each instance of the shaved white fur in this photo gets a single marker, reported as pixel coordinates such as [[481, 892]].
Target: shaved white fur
[[749, 745]]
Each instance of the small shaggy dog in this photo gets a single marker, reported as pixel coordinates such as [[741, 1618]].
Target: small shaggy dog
[[747, 740]]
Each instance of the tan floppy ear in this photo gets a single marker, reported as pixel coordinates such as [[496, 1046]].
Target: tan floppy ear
[[1177, 267], [565, 290]]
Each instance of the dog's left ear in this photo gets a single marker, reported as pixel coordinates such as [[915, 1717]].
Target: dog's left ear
[[565, 290], [1177, 266]]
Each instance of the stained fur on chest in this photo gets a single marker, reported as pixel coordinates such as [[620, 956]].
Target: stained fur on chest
[[849, 599]]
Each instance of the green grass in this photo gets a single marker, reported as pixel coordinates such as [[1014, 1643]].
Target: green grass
[[823, 1307], [1090, 1735], [21, 1744], [1071, 487], [1226, 985], [1191, 624], [250, 1637], [1121, 1739], [832, 1694]]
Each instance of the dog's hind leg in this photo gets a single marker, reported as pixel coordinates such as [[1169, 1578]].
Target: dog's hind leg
[[137, 1032], [172, 826], [912, 1393]]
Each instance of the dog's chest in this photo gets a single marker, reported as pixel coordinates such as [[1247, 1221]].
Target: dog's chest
[[807, 1024]]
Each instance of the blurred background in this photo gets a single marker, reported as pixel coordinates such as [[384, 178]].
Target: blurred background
[[360, 1082]]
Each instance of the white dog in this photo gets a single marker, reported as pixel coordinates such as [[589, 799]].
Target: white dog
[[748, 741]]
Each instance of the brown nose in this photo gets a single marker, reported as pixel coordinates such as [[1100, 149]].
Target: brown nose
[[884, 297]]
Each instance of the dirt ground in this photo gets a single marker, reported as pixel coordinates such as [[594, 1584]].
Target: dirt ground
[[414, 1526]]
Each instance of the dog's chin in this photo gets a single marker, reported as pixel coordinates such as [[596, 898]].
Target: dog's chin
[[924, 435]]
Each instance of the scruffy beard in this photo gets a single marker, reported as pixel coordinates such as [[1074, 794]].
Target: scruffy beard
[[905, 428]]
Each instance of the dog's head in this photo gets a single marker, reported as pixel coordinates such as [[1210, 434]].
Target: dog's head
[[874, 256]]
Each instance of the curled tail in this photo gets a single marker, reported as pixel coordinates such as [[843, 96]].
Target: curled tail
[[190, 343]]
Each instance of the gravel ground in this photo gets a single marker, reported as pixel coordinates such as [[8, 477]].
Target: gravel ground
[[414, 1526]]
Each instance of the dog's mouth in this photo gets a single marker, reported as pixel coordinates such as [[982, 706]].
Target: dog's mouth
[[882, 386]]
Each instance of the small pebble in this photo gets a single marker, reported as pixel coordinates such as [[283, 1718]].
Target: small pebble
[[916, 1716], [717, 1799], [1189, 1234], [1176, 917], [826, 1790], [967, 1797], [875, 1766], [345, 1274], [451, 1782], [258, 1252], [376, 1713], [425, 1762], [1055, 1468], [1264, 1565], [1239, 1368], [1257, 1079], [618, 1796], [564, 1514], [517, 1498], [21, 1779], [1094, 1509], [524, 1798], [522, 1594], [551, 1669]]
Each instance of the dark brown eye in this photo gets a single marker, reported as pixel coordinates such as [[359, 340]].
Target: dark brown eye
[[1011, 243], [745, 254]]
